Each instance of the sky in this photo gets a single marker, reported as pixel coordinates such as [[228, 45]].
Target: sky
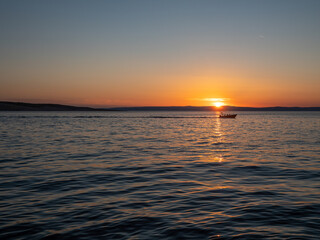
[[256, 53]]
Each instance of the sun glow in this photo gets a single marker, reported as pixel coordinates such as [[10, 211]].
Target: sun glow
[[218, 104]]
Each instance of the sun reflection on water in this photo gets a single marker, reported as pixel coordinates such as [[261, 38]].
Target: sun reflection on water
[[217, 127]]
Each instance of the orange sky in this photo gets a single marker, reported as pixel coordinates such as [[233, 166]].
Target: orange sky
[[161, 54]]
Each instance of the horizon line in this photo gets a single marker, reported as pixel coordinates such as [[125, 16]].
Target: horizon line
[[152, 106]]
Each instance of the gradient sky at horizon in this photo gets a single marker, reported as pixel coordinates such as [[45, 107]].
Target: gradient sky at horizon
[[161, 53]]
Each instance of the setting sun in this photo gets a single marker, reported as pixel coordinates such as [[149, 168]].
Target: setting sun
[[218, 104]]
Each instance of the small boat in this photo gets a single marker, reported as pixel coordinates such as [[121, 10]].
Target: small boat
[[222, 115]]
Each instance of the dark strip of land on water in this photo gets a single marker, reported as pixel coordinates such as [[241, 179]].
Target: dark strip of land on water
[[20, 106]]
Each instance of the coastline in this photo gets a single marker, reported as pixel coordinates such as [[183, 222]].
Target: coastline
[[22, 106]]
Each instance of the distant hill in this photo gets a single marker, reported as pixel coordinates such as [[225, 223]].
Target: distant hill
[[21, 106], [209, 108]]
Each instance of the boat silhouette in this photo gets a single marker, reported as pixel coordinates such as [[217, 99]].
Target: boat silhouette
[[222, 115]]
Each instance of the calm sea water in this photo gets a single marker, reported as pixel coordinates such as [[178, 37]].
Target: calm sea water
[[159, 175]]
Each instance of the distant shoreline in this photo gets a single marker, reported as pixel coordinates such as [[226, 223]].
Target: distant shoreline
[[22, 106]]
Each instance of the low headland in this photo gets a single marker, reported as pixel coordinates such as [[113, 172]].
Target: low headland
[[21, 106]]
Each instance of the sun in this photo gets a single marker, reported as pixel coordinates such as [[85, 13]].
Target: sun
[[218, 104]]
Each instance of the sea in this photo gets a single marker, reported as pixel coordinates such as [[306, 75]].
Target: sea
[[159, 175]]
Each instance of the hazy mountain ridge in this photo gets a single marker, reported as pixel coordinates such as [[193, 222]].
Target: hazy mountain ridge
[[210, 108], [21, 106]]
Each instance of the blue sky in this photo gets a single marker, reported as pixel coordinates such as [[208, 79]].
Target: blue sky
[[160, 52]]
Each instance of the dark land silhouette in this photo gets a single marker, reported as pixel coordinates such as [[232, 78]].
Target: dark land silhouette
[[21, 106]]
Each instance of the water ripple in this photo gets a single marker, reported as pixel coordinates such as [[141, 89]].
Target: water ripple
[[146, 175]]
